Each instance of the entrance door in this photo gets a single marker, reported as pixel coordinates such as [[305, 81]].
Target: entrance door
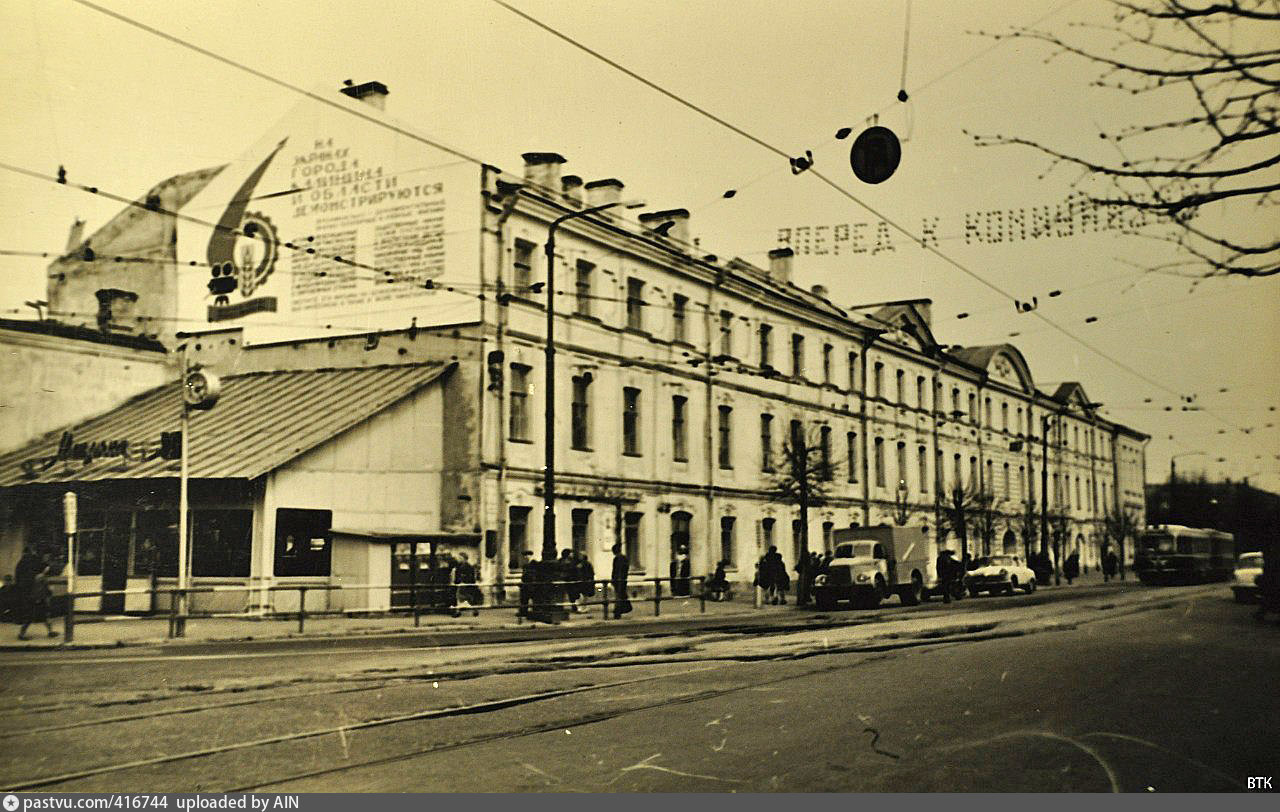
[[115, 559]]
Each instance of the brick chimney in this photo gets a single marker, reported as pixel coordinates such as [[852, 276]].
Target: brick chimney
[[543, 169], [780, 264], [76, 236], [371, 93], [608, 190], [115, 310], [679, 218], [571, 188]]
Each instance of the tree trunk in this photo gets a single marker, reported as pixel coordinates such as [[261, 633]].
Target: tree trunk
[[802, 588]]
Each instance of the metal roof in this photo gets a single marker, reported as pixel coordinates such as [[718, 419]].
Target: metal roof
[[261, 421]]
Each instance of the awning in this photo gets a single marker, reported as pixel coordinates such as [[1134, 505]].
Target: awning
[[262, 421]]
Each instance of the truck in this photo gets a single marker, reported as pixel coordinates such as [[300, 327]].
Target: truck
[[872, 563]]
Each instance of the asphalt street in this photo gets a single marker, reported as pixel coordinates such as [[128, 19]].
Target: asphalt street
[[1131, 690]]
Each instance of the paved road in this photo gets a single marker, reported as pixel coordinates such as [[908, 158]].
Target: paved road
[[1162, 698]]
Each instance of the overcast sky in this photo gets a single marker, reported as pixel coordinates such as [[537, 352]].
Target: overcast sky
[[122, 109]]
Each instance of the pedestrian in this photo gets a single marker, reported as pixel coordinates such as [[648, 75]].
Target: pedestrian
[[527, 586], [944, 566], [586, 576], [1110, 565], [718, 587], [464, 575], [31, 581], [773, 572], [8, 600], [1071, 568], [621, 568], [680, 573], [567, 574]]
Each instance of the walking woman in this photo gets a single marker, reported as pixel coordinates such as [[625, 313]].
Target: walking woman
[[31, 582]]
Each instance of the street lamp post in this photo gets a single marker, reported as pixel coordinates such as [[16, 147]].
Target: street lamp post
[[546, 610]]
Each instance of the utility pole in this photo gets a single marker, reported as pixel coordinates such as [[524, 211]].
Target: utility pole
[[1044, 494]]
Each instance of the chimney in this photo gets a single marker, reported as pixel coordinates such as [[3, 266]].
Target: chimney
[[571, 187], [115, 310], [371, 93], [679, 219], [76, 236], [780, 264], [608, 190], [543, 169], [819, 290]]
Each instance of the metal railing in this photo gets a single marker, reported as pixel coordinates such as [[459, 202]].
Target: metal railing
[[423, 598]]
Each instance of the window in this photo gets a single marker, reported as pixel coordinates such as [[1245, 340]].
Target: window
[[631, 421], [826, 363], [990, 423], [900, 388], [1007, 488], [828, 536], [726, 542], [155, 550], [990, 485], [635, 304], [766, 348], [517, 536], [923, 459], [766, 442], [955, 399], [973, 409], [852, 439], [726, 332], [522, 264], [302, 541], [1079, 501], [583, 287], [825, 450], [631, 541], [678, 305], [1022, 427], [679, 446], [726, 436], [766, 534], [853, 371], [797, 355], [222, 541], [89, 542], [797, 438], [797, 530], [580, 530], [901, 455], [877, 381], [922, 399], [580, 414], [973, 473], [1022, 481], [518, 420], [1004, 416], [880, 462], [680, 524], [957, 472]]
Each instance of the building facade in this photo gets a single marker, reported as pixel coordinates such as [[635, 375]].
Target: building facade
[[678, 378]]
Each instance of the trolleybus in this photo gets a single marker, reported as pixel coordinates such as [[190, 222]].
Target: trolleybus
[[1173, 554]]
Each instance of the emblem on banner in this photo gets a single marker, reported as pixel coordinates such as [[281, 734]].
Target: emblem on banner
[[242, 253]]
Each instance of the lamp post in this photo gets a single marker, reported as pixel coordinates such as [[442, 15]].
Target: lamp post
[[549, 432]]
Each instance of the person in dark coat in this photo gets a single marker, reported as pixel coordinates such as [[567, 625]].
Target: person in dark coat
[[464, 575], [1071, 567], [773, 576], [1110, 565], [31, 582], [586, 576], [680, 573], [718, 587], [946, 567], [621, 569], [527, 586], [568, 573]]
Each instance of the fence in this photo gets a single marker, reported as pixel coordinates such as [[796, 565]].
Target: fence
[[531, 597]]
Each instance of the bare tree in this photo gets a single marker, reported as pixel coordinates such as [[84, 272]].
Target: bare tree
[[984, 516], [1028, 526], [804, 479], [955, 507], [1222, 59]]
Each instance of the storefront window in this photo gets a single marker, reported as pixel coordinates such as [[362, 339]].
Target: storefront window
[[155, 550], [302, 541], [222, 541], [89, 539]]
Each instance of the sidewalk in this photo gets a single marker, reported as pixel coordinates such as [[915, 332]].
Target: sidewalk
[[110, 631]]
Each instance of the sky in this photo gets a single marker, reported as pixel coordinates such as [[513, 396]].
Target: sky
[[122, 109]]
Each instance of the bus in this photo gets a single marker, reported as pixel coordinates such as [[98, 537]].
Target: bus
[[1173, 554]]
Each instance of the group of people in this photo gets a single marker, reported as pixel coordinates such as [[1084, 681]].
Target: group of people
[[572, 571], [450, 583], [25, 597], [771, 576]]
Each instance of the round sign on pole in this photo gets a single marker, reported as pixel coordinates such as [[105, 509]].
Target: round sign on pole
[[875, 155]]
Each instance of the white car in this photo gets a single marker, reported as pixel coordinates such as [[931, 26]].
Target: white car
[[1248, 568], [1000, 574]]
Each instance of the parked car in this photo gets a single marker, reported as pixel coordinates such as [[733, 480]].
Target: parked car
[[1248, 568], [999, 574]]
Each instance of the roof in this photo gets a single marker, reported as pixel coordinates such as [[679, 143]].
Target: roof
[[80, 333], [261, 421]]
